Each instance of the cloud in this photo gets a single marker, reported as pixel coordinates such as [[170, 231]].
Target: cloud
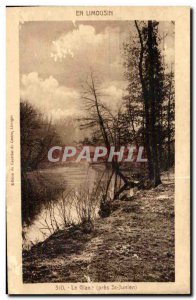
[[49, 96], [58, 101], [83, 49], [72, 42], [68, 53]]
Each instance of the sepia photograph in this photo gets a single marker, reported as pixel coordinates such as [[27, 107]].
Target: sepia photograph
[[90, 87], [97, 151]]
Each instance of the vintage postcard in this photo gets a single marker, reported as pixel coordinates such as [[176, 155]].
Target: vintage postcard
[[98, 150]]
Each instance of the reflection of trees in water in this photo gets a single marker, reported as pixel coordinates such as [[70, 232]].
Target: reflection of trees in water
[[77, 206], [51, 206], [38, 191]]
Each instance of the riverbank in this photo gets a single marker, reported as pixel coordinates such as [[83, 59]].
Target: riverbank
[[135, 243]]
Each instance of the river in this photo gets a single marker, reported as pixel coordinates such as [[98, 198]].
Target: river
[[76, 178]]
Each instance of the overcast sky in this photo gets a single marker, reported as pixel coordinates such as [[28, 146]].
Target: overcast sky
[[56, 56]]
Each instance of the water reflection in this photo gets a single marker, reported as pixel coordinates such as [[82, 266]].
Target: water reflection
[[83, 186]]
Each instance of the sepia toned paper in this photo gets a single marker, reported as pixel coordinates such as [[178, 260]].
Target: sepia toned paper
[[52, 53]]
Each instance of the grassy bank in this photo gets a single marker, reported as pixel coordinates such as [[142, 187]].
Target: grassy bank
[[135, 243]]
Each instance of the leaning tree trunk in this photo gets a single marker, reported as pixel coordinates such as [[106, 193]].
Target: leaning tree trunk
[[115, 165]]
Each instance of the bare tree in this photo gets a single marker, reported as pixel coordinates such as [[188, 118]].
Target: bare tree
[[101, 117]]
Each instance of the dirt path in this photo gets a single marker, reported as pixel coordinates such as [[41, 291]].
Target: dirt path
[[136, 243]]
